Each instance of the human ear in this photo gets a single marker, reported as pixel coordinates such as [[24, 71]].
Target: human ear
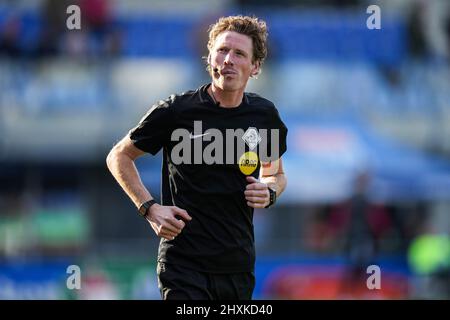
[[256, 69]]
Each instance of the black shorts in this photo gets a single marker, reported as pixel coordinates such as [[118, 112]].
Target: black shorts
[[178, 283]]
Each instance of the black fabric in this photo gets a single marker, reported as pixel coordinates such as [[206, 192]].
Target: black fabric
[[220, 237], [176, 282]]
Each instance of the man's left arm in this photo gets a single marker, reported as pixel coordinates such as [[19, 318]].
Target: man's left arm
[[271, 176]]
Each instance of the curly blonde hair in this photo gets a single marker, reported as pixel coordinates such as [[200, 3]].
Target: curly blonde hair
[[253, 27]]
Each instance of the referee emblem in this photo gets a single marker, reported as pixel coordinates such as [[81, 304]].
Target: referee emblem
[[251, 137]]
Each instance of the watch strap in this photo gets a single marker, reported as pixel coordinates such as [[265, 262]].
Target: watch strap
[[143, 209], [273, 197]]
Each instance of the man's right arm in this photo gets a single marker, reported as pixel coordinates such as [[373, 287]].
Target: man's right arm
[[120, 162]]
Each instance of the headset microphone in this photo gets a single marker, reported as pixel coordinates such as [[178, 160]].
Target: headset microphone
[[217, 103]]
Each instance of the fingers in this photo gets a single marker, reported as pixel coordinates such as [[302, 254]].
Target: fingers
[[256, 185], [163, 232], [174, 224], [167, 235], [165, 222], [182, 213], [256, 205], [256, 199], [256, 193], [171, 227], [177, 223]]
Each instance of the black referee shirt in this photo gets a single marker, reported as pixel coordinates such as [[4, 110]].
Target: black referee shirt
[[220, 237]]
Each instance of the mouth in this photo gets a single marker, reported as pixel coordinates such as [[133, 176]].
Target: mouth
[[228, 72]]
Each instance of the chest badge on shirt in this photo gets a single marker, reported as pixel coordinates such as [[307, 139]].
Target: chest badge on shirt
[[248, 162], [251, 137]]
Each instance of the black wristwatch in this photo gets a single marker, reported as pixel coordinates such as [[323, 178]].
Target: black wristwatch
[[143, 209], [273, 198]]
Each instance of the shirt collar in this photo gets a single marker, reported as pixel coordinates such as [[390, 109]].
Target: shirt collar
[[206, 98]]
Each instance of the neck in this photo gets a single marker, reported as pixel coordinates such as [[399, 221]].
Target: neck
[[226, 99]]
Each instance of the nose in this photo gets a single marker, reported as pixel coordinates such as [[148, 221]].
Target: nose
[[228, 59]]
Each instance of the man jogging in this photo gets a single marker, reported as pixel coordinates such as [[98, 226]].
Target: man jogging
[[222, 151]]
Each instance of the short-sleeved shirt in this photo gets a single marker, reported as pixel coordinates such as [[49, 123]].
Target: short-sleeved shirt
[[207, 152]]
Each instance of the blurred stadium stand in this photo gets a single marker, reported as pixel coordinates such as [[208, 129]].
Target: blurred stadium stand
[[356, 101]]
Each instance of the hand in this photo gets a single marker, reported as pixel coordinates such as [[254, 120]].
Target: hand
[[164, 222], [256, 193]]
